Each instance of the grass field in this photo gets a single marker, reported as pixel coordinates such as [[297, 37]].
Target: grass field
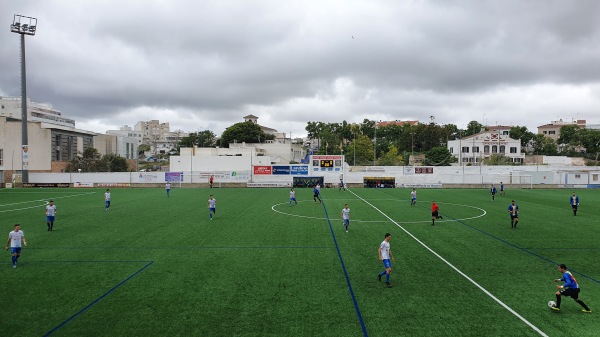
[[156, 266]]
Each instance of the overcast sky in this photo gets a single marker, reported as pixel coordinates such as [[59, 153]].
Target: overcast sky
[[205, 64]]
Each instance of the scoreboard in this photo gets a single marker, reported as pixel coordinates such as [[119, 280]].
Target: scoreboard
[[326, 163]]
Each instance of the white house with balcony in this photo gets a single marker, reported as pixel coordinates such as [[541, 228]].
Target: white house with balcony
[[472, 150]]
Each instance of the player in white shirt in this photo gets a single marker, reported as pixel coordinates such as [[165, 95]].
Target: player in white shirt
[[385, 254], [168, 189], [107, 199], [15, 238], [212, 206], [345, 214], [413, 197], [50, 213], [293, 196]]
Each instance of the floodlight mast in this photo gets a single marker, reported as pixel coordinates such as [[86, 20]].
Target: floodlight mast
[[24, 25]]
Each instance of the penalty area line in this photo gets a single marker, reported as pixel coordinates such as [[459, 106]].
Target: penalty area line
[[485, 291]]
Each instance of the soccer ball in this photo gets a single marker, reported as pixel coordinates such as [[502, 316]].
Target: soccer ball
[[551, 304]]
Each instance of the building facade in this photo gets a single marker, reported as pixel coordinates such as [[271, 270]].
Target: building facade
[[472, 150], [158, 136], [552, 130], [36, 112]]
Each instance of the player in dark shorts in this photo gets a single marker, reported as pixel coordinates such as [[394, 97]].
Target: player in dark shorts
[[570, 289], [435, 212]]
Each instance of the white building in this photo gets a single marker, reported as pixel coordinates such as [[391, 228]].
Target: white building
[[475, 148], [36, 112], [159, 136], [126, 143], [280, 137]]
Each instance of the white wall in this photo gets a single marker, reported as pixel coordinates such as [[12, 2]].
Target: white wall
[[404, 175]]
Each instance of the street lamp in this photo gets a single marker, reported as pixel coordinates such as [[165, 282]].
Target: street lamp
[[24, 25]]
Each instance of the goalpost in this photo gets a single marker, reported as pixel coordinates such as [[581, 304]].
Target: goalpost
[[526, 181], [196, 178]]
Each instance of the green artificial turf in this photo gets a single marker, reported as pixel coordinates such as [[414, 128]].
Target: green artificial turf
[[157, 266]]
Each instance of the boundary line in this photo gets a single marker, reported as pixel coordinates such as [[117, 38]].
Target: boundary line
[[456, 269], [337, 248]]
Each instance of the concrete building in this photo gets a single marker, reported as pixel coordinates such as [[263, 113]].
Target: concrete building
[[275, 152], [126, 143], [159, 136], [280, 137], [36, 112], [50, 147], [475, 148], [552, 130], [125, 147]]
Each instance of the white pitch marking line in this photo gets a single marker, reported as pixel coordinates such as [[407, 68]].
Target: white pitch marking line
[[457, 270], [40, 200]]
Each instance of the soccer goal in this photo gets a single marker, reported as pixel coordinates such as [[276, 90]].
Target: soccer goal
[[526, 181], [187, 178]]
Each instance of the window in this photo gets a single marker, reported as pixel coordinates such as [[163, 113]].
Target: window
[[1, 157], [552, 132], [513, 149], [578, 176], [70, 147], [465, 149], [57, 140], [594, 176], [475, 149], [505, 133], [502, 149], [545, 132], [494, 148], [486, 149], [451, 150]]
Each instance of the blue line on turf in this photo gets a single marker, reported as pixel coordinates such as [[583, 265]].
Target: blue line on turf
[[521, 248], [191, 247], [97, 300], [360, 319]]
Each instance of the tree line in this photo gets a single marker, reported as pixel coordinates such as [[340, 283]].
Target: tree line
[[374, 143]]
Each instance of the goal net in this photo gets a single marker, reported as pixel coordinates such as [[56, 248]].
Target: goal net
[[525, 181]]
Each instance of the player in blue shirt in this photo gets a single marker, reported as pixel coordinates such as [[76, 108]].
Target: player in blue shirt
[[574, 201], [493, 191], [513, 210], [317, 194], [501, 188], [570, 289]]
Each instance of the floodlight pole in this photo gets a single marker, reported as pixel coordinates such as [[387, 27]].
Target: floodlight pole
[[24, 25]]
